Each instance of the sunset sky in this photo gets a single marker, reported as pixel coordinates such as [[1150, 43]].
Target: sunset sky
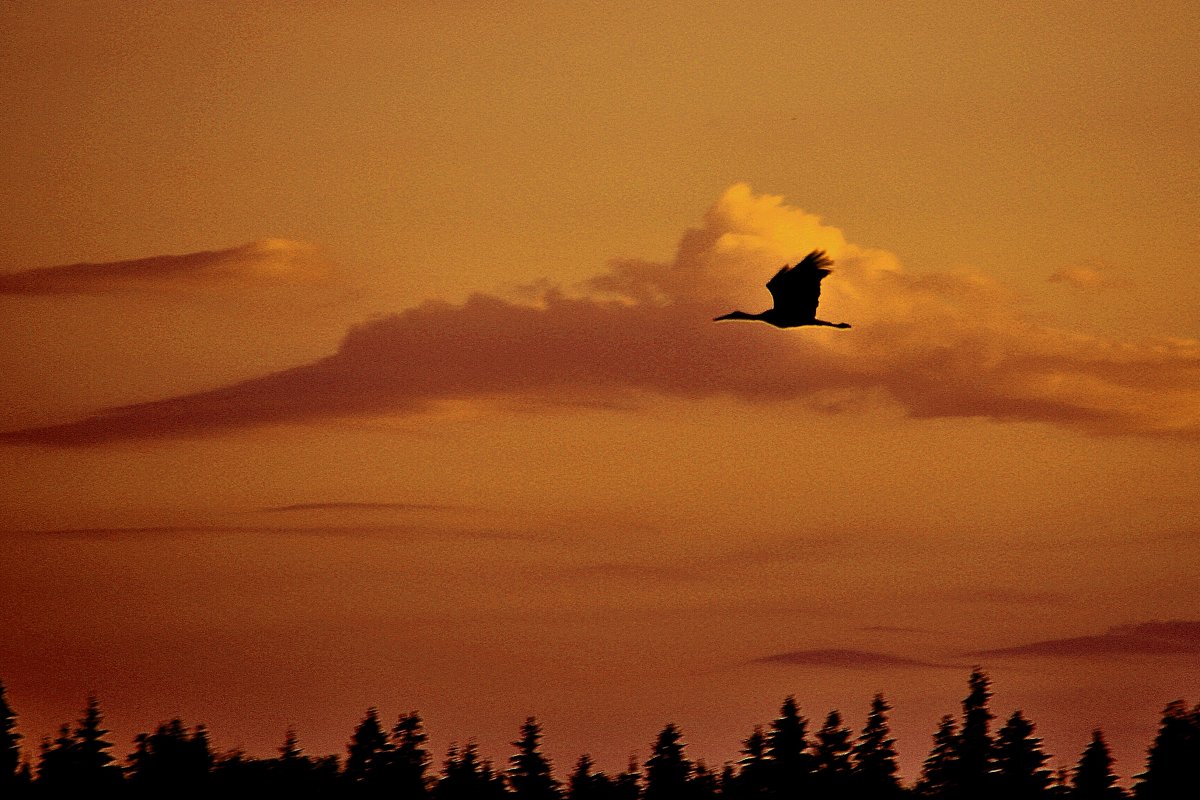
[[361, 354]]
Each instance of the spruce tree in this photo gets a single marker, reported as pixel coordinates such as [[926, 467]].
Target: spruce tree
[[938, 771], [705, 784], [10, 749], [465, 776], [753, 778], [290, 772], [367, 753], [582, 785], [1094, 778], [92, 763], [973, 749], [1020, 763], [408, 760], [171, 760], [787, 752], [874, 769], [56, 767], [831, 756], [668, 770], [529, 773], [628, 784], [1173, 766]]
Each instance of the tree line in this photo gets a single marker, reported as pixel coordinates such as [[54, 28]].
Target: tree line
[[782, 761]]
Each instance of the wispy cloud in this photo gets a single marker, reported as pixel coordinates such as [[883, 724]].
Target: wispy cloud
[[1083, 277], [893, 629], [1176, 637], [693, 566], [352, 506], [267, 261], [937, 345], [846, 659], [163, 531]]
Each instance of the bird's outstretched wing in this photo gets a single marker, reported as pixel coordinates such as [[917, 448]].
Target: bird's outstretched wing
[[797, 290]]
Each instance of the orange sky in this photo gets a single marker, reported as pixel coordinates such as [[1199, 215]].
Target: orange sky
[[363, 357]]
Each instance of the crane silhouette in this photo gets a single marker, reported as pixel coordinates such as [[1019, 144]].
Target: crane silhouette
[[796, 291]]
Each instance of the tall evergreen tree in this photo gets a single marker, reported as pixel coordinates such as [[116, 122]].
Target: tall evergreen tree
[[754, 774], [91, 761], [628, 784], [668, 770], [465, 776], [874, 769], [788, 753], [366, 754], [583, 783], [831, 757], [938, 771], [1094, 778], [170, 761], [56, 767], [1173, 766], [10, 747], [529, 773], [408, 760], [973, 749], [705, 784], [1021, 773]]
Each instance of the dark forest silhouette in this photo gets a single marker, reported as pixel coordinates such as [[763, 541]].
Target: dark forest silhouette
[[783, 761]]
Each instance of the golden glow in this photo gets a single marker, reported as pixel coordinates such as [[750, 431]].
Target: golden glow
[[1001, 451]]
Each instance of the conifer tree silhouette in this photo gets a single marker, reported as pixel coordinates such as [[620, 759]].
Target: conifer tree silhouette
[[668, 770], [938, 771], [170, 761], [874, 769], [366, 755], [78, 759], [465, 776], [973, 748], [56, 766], [408, 761], [705, 784], [10, 748], [584, 783], [831, 755], [529, 773], [1020, 762], [91, 761], [1093, 778], [628, 784], [787, 752], [753, 780], [1173, 765]]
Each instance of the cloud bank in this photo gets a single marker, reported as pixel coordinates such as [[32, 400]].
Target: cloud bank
[[1176, 637], [267, 261], [937, 345]]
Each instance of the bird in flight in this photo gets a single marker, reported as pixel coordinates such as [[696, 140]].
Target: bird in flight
[[796, 291]]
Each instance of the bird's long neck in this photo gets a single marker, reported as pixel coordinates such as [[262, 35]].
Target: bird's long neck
[[740, 315]]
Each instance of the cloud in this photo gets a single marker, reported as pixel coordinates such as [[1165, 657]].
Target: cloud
[[844, 659], [937, 345], [267, 261], [159, 531], [1175, 637], [1083, 278], [349, 506]]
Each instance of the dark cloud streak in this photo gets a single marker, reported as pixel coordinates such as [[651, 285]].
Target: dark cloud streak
[[1176, 637]]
